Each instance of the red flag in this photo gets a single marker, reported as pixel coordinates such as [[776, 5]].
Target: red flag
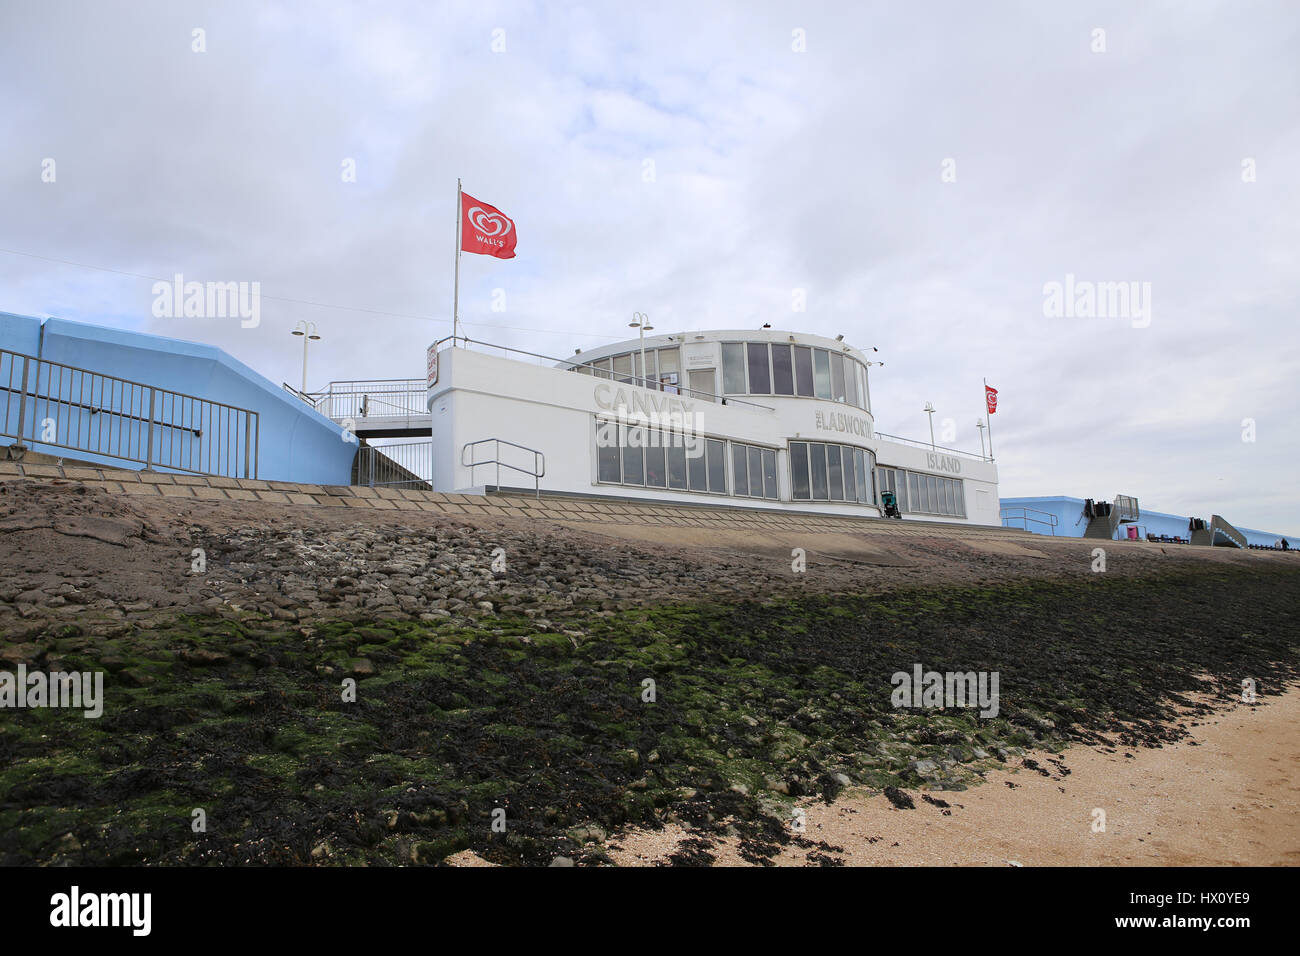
[[486, 229], [991, 397]]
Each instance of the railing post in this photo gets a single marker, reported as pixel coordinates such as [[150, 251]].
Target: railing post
[[248, 428], [22, 406], [149, 454]]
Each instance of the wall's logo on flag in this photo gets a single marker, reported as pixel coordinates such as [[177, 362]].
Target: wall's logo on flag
[[485, 229], [991, 396]]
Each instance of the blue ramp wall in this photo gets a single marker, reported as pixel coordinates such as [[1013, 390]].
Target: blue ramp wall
[[1070, 522], [296, 443]]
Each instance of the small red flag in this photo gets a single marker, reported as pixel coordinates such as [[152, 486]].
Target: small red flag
[[486, 229], [991, 396]]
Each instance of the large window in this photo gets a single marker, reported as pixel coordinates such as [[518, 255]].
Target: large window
[[782, 370], [919, 493], [661, 370], [803, 368], [799, 487], [733, 369], [760, 382], [651, 458], [778, 368], [753, 471], [748, 368], [825, 472], [822, 373]]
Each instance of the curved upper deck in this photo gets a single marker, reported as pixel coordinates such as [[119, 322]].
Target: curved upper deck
[[754, 365]]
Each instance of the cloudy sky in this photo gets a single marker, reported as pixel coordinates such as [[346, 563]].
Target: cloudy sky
[[921, 171]]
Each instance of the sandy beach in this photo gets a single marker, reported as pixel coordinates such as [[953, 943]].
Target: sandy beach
[[1227, 795]]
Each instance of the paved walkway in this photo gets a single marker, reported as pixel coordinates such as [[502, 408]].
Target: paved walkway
[[566, 509]]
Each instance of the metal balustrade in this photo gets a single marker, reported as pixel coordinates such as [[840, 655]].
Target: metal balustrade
[[1027, 516], [537, 472], [62, 406], [404, 464]]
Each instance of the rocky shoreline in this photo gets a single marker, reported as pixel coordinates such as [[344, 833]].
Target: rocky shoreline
[[336, 691]]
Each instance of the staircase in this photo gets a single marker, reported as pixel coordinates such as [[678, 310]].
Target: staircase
[[1220, 533], [1108, 516]]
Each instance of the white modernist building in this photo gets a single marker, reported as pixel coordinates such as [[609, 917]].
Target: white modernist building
[[758, 419]]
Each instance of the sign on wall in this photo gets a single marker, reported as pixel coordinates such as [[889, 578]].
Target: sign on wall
[[431, 366], [700, 355]]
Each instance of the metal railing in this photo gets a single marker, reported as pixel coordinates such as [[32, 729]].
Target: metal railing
[[1048, 519], [301, 396], [379, 398], [401, 464], [1126, 510], [539, 461], [934, 448], [49, 403], [648, 383]]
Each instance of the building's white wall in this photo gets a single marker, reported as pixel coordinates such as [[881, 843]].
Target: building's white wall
[[481, 396], [979, 478]]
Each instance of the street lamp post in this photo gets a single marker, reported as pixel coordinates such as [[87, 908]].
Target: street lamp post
[[980, 425], [929, 410], [308, 332], [641, 322]]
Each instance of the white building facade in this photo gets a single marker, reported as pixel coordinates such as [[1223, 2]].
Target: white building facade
[[757, 419]]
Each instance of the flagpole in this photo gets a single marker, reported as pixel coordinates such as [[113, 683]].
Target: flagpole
[[988, 423], [455, 302]]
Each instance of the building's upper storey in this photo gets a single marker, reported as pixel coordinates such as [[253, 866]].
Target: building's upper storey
[[747, 364]]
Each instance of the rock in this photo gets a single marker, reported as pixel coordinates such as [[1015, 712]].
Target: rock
[[363, 667], [899, 799], [320, 851], [924, 767], [843, 780], [562, 861], [202, 655], [588, 834], [777, 786]]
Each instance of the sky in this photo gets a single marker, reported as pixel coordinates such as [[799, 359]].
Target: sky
[[927, 178]]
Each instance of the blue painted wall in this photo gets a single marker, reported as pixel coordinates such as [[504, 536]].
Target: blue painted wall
[[1070, 522], [296, 442]]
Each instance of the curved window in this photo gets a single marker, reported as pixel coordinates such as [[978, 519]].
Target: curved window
[[733, 369], [822, 373], [782, 370], [778, 368], [827, 472], [803, 370], [760, 379]]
